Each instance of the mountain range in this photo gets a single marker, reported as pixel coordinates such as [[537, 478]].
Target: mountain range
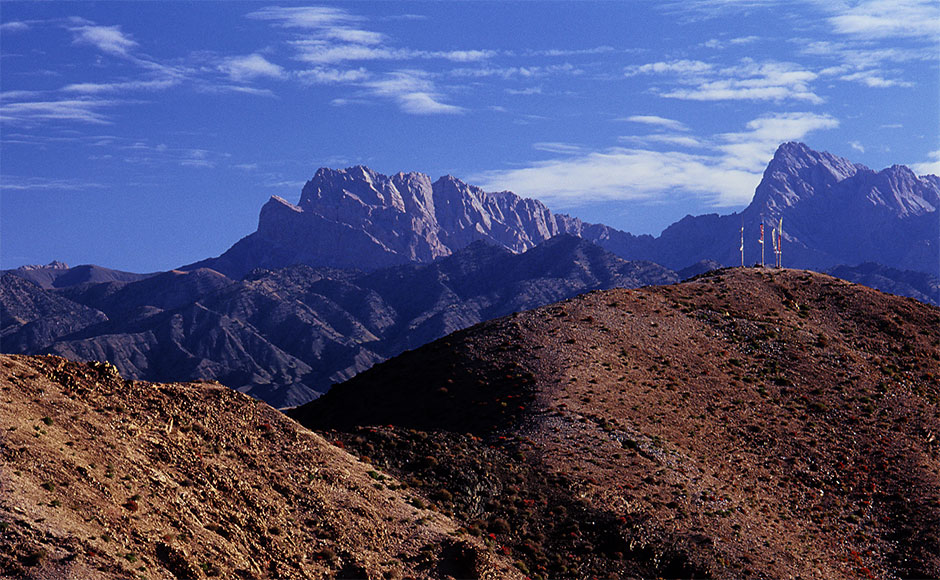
[[834, 213], [366, 266], [286, 335]]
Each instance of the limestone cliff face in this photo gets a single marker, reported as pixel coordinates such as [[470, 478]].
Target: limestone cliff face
[[358, 218]]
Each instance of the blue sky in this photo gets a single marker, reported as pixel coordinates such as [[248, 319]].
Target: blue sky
[[146, 135]]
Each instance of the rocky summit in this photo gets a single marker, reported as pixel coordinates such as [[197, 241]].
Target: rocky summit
[[361, 219]]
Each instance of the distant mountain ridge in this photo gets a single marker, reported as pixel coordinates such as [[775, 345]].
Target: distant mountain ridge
[[834, 212], [357, 218], [286, 335]]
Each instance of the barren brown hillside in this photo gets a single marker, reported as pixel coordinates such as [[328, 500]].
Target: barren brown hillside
[[749, 423], [106, 478]]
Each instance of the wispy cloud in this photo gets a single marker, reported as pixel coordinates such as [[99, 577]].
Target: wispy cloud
[[747, 81], [516, 72], [323, 52], [107, 39], [84, 110], [333, 76], [726, 174], [666, 139], [871, 19], [20, 183], [413, 91], [931, 167], [121, 86], [14, 26], [250, 67], [561, 148], [145, 153], [657, 121], [309, 17]]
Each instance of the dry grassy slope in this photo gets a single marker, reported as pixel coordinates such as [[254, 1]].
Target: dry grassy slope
[[106, 478], [747, 423]]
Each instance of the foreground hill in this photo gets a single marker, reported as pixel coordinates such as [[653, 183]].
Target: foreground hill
[[747, 423], [107, 478], [286, 335]]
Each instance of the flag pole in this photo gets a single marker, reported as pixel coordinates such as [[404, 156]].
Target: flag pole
[[762, 243]]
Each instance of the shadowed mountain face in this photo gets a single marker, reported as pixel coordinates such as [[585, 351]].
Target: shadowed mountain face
[[918, 285], [112, 479], [744, 424], [60, 275], [286, 335], [834, 212]]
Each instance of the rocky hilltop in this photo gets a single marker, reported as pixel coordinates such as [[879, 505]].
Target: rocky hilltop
[[286, 335], [744, 424], [834, 212], [108, 478]]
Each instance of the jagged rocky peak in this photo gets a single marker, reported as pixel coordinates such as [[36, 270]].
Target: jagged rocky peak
[[357, 185], [797, 173], [899, 189], [53, 265]]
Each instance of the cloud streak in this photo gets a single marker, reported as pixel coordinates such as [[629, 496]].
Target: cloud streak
[[747, 81], [726, 174], [85, 110]]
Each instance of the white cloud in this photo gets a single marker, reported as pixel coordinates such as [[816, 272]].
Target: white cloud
[[874, 79], [657, 121], [871, 19], [931, 167], [525, 91], [322, 52], [354, 35], [332, 76], [313, 17], [726, 173], [96, 88], [20, 183], [14, 26], [413, 91], [32, 112], [751, 149], [108, 39], [679, 67], [676, 140], [250, 67], [555, 147], [748, 81], [516, 72]]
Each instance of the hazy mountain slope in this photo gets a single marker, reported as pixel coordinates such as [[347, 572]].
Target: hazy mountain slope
[[287, 335], [106, 478], [746, 423], [60, 275], [918, 285], [31, 316]]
